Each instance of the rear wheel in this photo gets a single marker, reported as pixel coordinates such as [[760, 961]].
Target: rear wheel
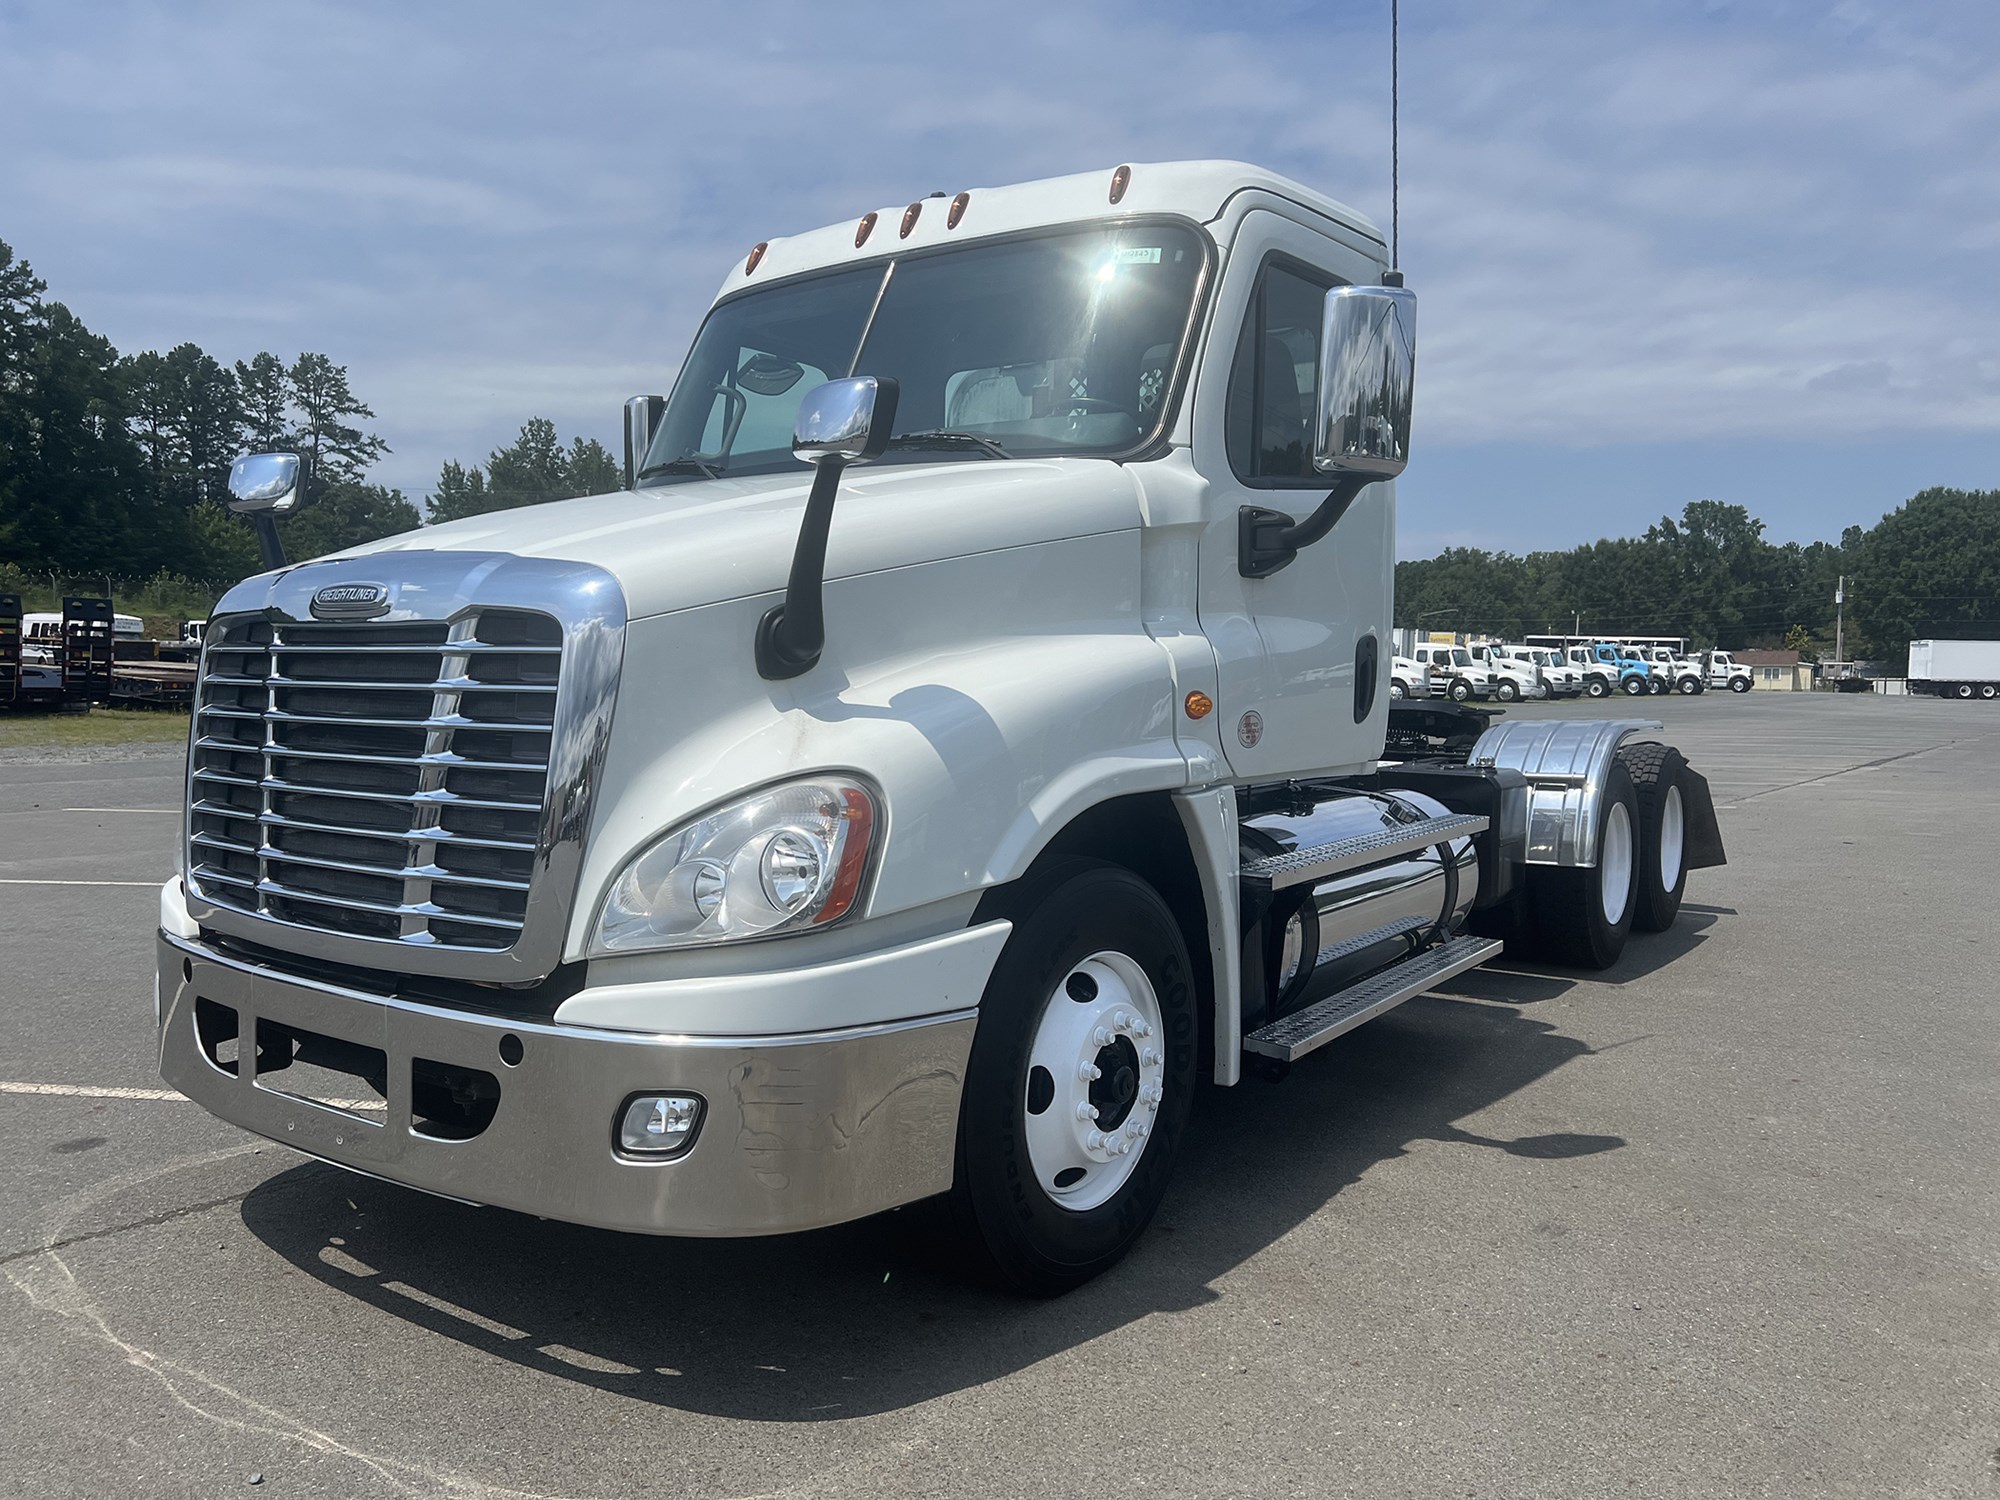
[[1987, 690], [1662, 876], [1963, 690], [1582, 917], [1080, 1081]]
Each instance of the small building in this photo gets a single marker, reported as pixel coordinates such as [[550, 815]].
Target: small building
[[1777, 671]]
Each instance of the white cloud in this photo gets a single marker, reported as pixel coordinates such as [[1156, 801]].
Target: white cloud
[[1627, 224]]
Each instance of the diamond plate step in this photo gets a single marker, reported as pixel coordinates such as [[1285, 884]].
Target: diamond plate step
[[1304, 1031], [1314, 864]]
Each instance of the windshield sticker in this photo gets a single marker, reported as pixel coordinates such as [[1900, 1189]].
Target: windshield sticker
[[1138, 255]]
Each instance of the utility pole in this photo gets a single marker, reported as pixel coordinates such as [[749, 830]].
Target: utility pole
[[1840, 620], [1575, 625]]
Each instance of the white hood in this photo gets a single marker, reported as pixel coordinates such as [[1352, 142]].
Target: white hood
[[707, 541]]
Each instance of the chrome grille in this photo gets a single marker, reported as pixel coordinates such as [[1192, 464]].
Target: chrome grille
[[380, 780]]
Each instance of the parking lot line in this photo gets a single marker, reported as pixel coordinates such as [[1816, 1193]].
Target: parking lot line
[[149, 884], [122, 809], [87, 1091]]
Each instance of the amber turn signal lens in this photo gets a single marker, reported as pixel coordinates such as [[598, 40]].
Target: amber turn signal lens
[[909, 219], [863, 230], [956, 211], [1120, 180], [1198, 704]]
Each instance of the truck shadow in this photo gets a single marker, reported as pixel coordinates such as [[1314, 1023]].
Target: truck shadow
[[879, 1315]]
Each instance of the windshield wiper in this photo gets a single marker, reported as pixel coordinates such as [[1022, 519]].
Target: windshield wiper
[[687, 463], [938, 437]]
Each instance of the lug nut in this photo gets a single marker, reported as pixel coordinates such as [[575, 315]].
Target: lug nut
[[1095, 1140], [1101, 1037], [1086, 1111], [1120, 1020], [1089, 1073], [1148, 1058]]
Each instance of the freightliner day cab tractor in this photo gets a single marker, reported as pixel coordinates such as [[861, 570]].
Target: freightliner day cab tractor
[[765, 846]]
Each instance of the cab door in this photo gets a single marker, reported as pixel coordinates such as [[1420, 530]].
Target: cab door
[[1302, 655]]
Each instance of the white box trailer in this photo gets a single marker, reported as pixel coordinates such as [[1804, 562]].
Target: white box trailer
[[1955, 669]]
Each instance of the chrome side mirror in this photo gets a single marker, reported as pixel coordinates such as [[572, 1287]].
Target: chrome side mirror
[[1367, 370], [840, 423], [849, 420], [642, 420], [264, 483]]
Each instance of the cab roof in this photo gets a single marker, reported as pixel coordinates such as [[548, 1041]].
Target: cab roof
[[1197, 190]]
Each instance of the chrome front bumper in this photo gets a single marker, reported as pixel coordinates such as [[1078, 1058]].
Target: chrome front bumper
[[797, 1131]]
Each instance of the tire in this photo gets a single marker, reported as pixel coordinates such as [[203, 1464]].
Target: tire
[[1396, 690], [1597, 687], [1634, 688], [1739, 684], [1962, 690], [1459, 690], [1569, 906], [1662, 879], [1689, 686], [1506, 692], [1091, 943], [1987, 690]]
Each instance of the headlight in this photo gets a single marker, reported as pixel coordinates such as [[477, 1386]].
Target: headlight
[[787, 859]]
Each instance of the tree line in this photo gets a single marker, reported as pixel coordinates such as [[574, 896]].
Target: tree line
[[1931, 567], [117, 465]]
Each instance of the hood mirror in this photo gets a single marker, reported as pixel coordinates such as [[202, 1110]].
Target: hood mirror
[[839, 423], [264, 483]]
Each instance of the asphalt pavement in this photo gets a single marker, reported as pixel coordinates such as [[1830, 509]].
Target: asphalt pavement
[[1719, 1222]]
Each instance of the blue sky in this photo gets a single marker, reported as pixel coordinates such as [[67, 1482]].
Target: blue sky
[[1665, 251]]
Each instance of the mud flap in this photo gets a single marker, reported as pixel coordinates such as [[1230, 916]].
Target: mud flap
[[1703, 847]]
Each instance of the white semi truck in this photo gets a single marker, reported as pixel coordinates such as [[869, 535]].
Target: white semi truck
[[760, 847], [1955, 669]]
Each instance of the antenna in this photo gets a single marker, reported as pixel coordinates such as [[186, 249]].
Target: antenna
[[1395, 145]]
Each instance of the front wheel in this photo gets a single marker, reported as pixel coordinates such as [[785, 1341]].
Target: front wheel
[[1396, 690], [1506, 692], [1460, 690], [1598, 688], [1634, 687], [1081, 1077], [1739, 684]]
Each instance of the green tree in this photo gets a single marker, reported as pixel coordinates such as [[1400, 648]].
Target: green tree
[[532, 469], [1929, 568], [336, 450], [266, 402], [345, 514]]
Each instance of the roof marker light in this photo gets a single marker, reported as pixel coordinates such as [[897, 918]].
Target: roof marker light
[[862, 230], [910, 219], [756, 254], [957, 210], [1120, 180]]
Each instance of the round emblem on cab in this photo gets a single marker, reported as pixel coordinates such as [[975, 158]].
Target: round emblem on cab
[[1250, 729]]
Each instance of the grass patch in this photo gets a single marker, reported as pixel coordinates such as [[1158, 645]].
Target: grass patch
[[101, 726]]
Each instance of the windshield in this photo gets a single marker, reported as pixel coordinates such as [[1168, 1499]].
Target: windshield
[[1461, 658], [1056, 344]]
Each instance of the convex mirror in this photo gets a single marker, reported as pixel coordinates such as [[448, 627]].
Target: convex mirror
[[848, 419], [264, 483]]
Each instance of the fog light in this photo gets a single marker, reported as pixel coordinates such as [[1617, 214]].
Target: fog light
[[658, 1124]]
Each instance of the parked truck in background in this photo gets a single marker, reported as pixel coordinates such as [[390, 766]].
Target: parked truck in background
[[1512, 679], [1722, 671], [758, 848], [1408, 678], [1955, 669], [1681, 674], [1454, 674]]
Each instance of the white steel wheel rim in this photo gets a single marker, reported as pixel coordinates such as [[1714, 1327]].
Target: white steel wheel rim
[[1096, 1061], [1988, 690], [1673, 838], [1614, 865]]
